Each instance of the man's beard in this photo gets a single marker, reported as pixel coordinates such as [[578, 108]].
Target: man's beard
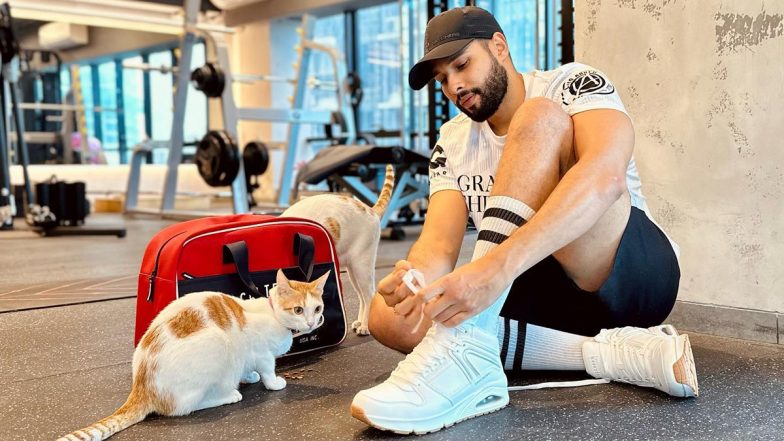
[[491, 94]]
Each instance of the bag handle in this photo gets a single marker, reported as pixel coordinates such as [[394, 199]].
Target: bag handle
[[304, 249], [237, 253]]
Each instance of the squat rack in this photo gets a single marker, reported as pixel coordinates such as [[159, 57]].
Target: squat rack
[[294, 116]]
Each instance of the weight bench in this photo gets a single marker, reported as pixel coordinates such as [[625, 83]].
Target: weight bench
[[352, 165]]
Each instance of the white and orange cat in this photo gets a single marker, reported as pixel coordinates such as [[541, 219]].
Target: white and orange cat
[[202, 346], [355, 228]]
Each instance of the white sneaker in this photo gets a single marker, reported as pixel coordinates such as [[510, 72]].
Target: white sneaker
[[452, 375], [655, 357], [664, 330]]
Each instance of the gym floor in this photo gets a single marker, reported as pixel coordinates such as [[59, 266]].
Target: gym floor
[[64, 367]]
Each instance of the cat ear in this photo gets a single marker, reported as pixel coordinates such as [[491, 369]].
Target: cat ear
[[321, 281], [283, 282]]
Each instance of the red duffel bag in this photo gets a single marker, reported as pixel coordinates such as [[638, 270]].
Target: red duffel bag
[[231, 254]]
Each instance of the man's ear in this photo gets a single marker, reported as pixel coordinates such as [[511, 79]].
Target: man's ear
[[499, 47]]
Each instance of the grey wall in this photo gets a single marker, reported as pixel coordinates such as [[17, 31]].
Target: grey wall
[[704, 83]]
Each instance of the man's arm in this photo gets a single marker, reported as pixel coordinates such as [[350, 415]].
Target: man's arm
[[604, 141], [436, 251]]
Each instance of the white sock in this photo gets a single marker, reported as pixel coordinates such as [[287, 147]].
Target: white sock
[[502, 217], [527, 346], [530, 347]]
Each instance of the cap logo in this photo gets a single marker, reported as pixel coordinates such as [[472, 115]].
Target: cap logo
[[441, 39]]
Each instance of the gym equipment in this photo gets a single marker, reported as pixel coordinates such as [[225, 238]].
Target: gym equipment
[[217, 158], [9, 48], [255, 158], [209, 79], [65, 201], [70, 205], [138, 156], [348, 166], [353, 85], [49, 124], [215, 79]]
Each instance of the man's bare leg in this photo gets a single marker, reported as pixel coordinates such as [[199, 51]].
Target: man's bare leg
[[394, 330], [538, 152]]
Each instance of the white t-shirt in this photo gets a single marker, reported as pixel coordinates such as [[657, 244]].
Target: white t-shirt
[[467, 153]]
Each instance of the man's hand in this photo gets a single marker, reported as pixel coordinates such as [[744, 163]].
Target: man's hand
[[462, 293], [392, 288]]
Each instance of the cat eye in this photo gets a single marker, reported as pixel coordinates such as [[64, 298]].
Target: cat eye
[[318, 309], [298, 310]]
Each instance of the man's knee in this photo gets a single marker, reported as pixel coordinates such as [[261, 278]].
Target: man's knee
[[389, 329]]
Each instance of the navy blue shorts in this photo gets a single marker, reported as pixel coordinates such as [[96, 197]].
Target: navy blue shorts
[[640, 290]]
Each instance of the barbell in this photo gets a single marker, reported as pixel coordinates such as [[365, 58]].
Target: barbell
[[211, 80], [218, 159]]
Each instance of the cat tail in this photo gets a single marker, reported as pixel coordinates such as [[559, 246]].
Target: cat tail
[[386, 192], [133, 411]]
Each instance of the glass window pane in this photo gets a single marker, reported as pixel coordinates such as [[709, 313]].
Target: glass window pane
[[65, 81], [196, 109], [379, 67], [329, 31], [107, 74], [133, 104], [162, 93], [518, 20], [86, 81], [414, 20]]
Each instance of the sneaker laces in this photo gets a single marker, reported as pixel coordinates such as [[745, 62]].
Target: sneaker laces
[[634, 358], [433, 350], [430, 353]]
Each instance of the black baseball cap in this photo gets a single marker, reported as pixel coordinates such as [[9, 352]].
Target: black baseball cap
[[448, 33]]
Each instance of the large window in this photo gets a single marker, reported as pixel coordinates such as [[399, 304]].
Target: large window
[[120, 125], [162, 96], [531, 28], [379, 67], [86, 80], [133, 104], [196, 110], [329, 31], [107, 72]]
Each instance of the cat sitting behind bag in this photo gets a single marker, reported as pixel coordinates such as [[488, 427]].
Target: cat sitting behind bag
[[202, 346], [356, 231]]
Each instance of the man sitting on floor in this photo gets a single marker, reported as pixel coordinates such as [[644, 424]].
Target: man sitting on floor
[[567, 254]]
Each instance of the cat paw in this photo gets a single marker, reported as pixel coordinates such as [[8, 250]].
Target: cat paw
[[251, 377], [360, 328], [236, 397], [276, 383]]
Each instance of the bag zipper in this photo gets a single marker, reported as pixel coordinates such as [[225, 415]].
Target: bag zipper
[[154, 272]]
